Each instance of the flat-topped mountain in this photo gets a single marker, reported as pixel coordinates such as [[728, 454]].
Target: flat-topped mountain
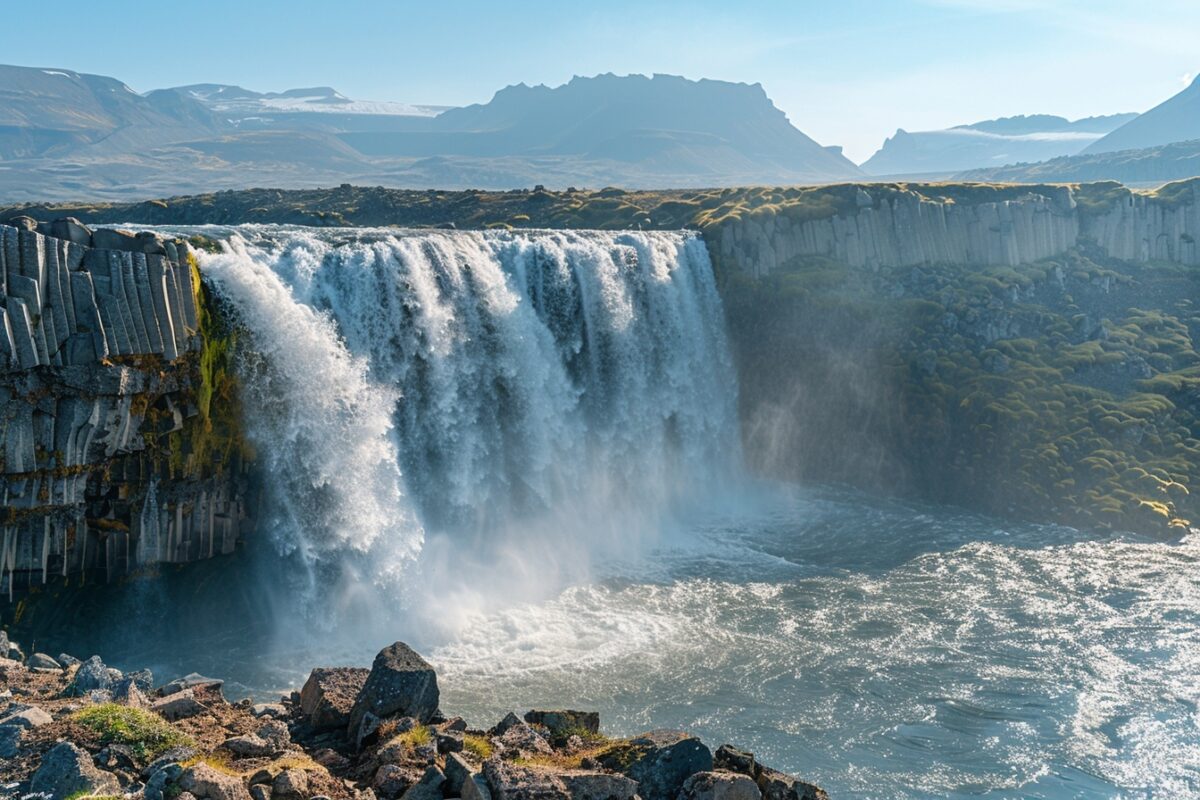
[[64, 135], [990, 143]]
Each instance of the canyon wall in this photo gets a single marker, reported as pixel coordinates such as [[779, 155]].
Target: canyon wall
[[918, 226], [106, 385]]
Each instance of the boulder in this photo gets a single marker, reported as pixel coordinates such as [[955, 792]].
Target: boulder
[[160, 779], [400, 683], [190, 681], [503, 725], [26, 717], [68, 770], [207, 783], [596, 785], [179, 705], [449, 741], [731, 759], [291, 784], [456, 724], [524, 739], [10, 740], [428, 788], [23, 222], [776, 785], [509, 781], [275, 733], [458, 772], [476, 788], [143, 678], [660, 762], [719, 785], [565, 721], [391, 780], [329, 693], [91, 676], [42, 661], [127, 692], [249, 745], [260, 791], [72, 230], [68, 660]]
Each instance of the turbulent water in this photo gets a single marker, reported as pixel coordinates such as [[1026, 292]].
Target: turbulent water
[[518, 451]]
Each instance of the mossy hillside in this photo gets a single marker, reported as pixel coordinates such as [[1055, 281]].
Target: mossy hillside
[[1063, 390]]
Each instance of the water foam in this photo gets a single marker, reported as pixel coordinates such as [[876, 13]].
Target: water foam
[[510, 406]]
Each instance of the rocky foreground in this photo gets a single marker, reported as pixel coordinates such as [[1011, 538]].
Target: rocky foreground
[[72, 729]]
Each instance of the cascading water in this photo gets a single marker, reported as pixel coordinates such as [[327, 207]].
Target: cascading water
[[534, 399]]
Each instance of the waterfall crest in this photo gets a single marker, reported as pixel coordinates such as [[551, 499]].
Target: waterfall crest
[[405, 387]]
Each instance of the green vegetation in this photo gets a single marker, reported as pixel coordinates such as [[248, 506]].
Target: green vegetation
[[477, 746], [146, 734], [995, 388]]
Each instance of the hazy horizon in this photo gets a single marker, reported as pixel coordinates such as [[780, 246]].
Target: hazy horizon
[[846, 76]]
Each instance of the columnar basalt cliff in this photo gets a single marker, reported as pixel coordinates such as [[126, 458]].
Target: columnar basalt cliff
[[114, 456]]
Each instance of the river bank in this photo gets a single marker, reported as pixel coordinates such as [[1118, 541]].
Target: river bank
[[71, 728]]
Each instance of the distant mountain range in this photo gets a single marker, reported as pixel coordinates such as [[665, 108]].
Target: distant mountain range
[[1176, 120], [70, 135], [991, 143], [1146, 166]]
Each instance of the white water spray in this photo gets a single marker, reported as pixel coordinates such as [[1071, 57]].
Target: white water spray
[[510, 406]]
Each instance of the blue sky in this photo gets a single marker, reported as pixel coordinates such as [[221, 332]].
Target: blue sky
[[846, 72]]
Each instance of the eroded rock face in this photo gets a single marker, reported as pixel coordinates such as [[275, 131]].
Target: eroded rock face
[[660, 762], [66, 770], [329, 693], [400, 683]]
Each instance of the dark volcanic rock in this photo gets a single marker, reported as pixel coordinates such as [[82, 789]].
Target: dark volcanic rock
[[660, 761], [508, 781], [329, 693], [777, 785], [67, 770], [719, 785], [400, 683]]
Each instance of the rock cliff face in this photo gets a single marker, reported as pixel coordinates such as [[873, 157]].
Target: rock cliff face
[[108, 429], [909, 228]]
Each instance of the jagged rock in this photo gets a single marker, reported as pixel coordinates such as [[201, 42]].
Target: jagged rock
[[367, 731], [523, 738], [260, 791], [596, 785], [400, 682], [10, 740], [291, 784], [142, 678], [116, 758], [719, 785], [458, 772], [27, 717], [190, 681], [503, 725], [456, 724], [660, 761], [731, 759], [179, 705], [328, 695], [776, 785], [159, 779], [207, 783], [449, 741], [276, 734], [66, 770], [91, 675], [508, 781], [127, 692], [562, 721], [476, 788], [429, 787], [391, 780], [42, 661]]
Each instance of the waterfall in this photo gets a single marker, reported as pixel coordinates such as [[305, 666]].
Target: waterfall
[[437, 394]]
